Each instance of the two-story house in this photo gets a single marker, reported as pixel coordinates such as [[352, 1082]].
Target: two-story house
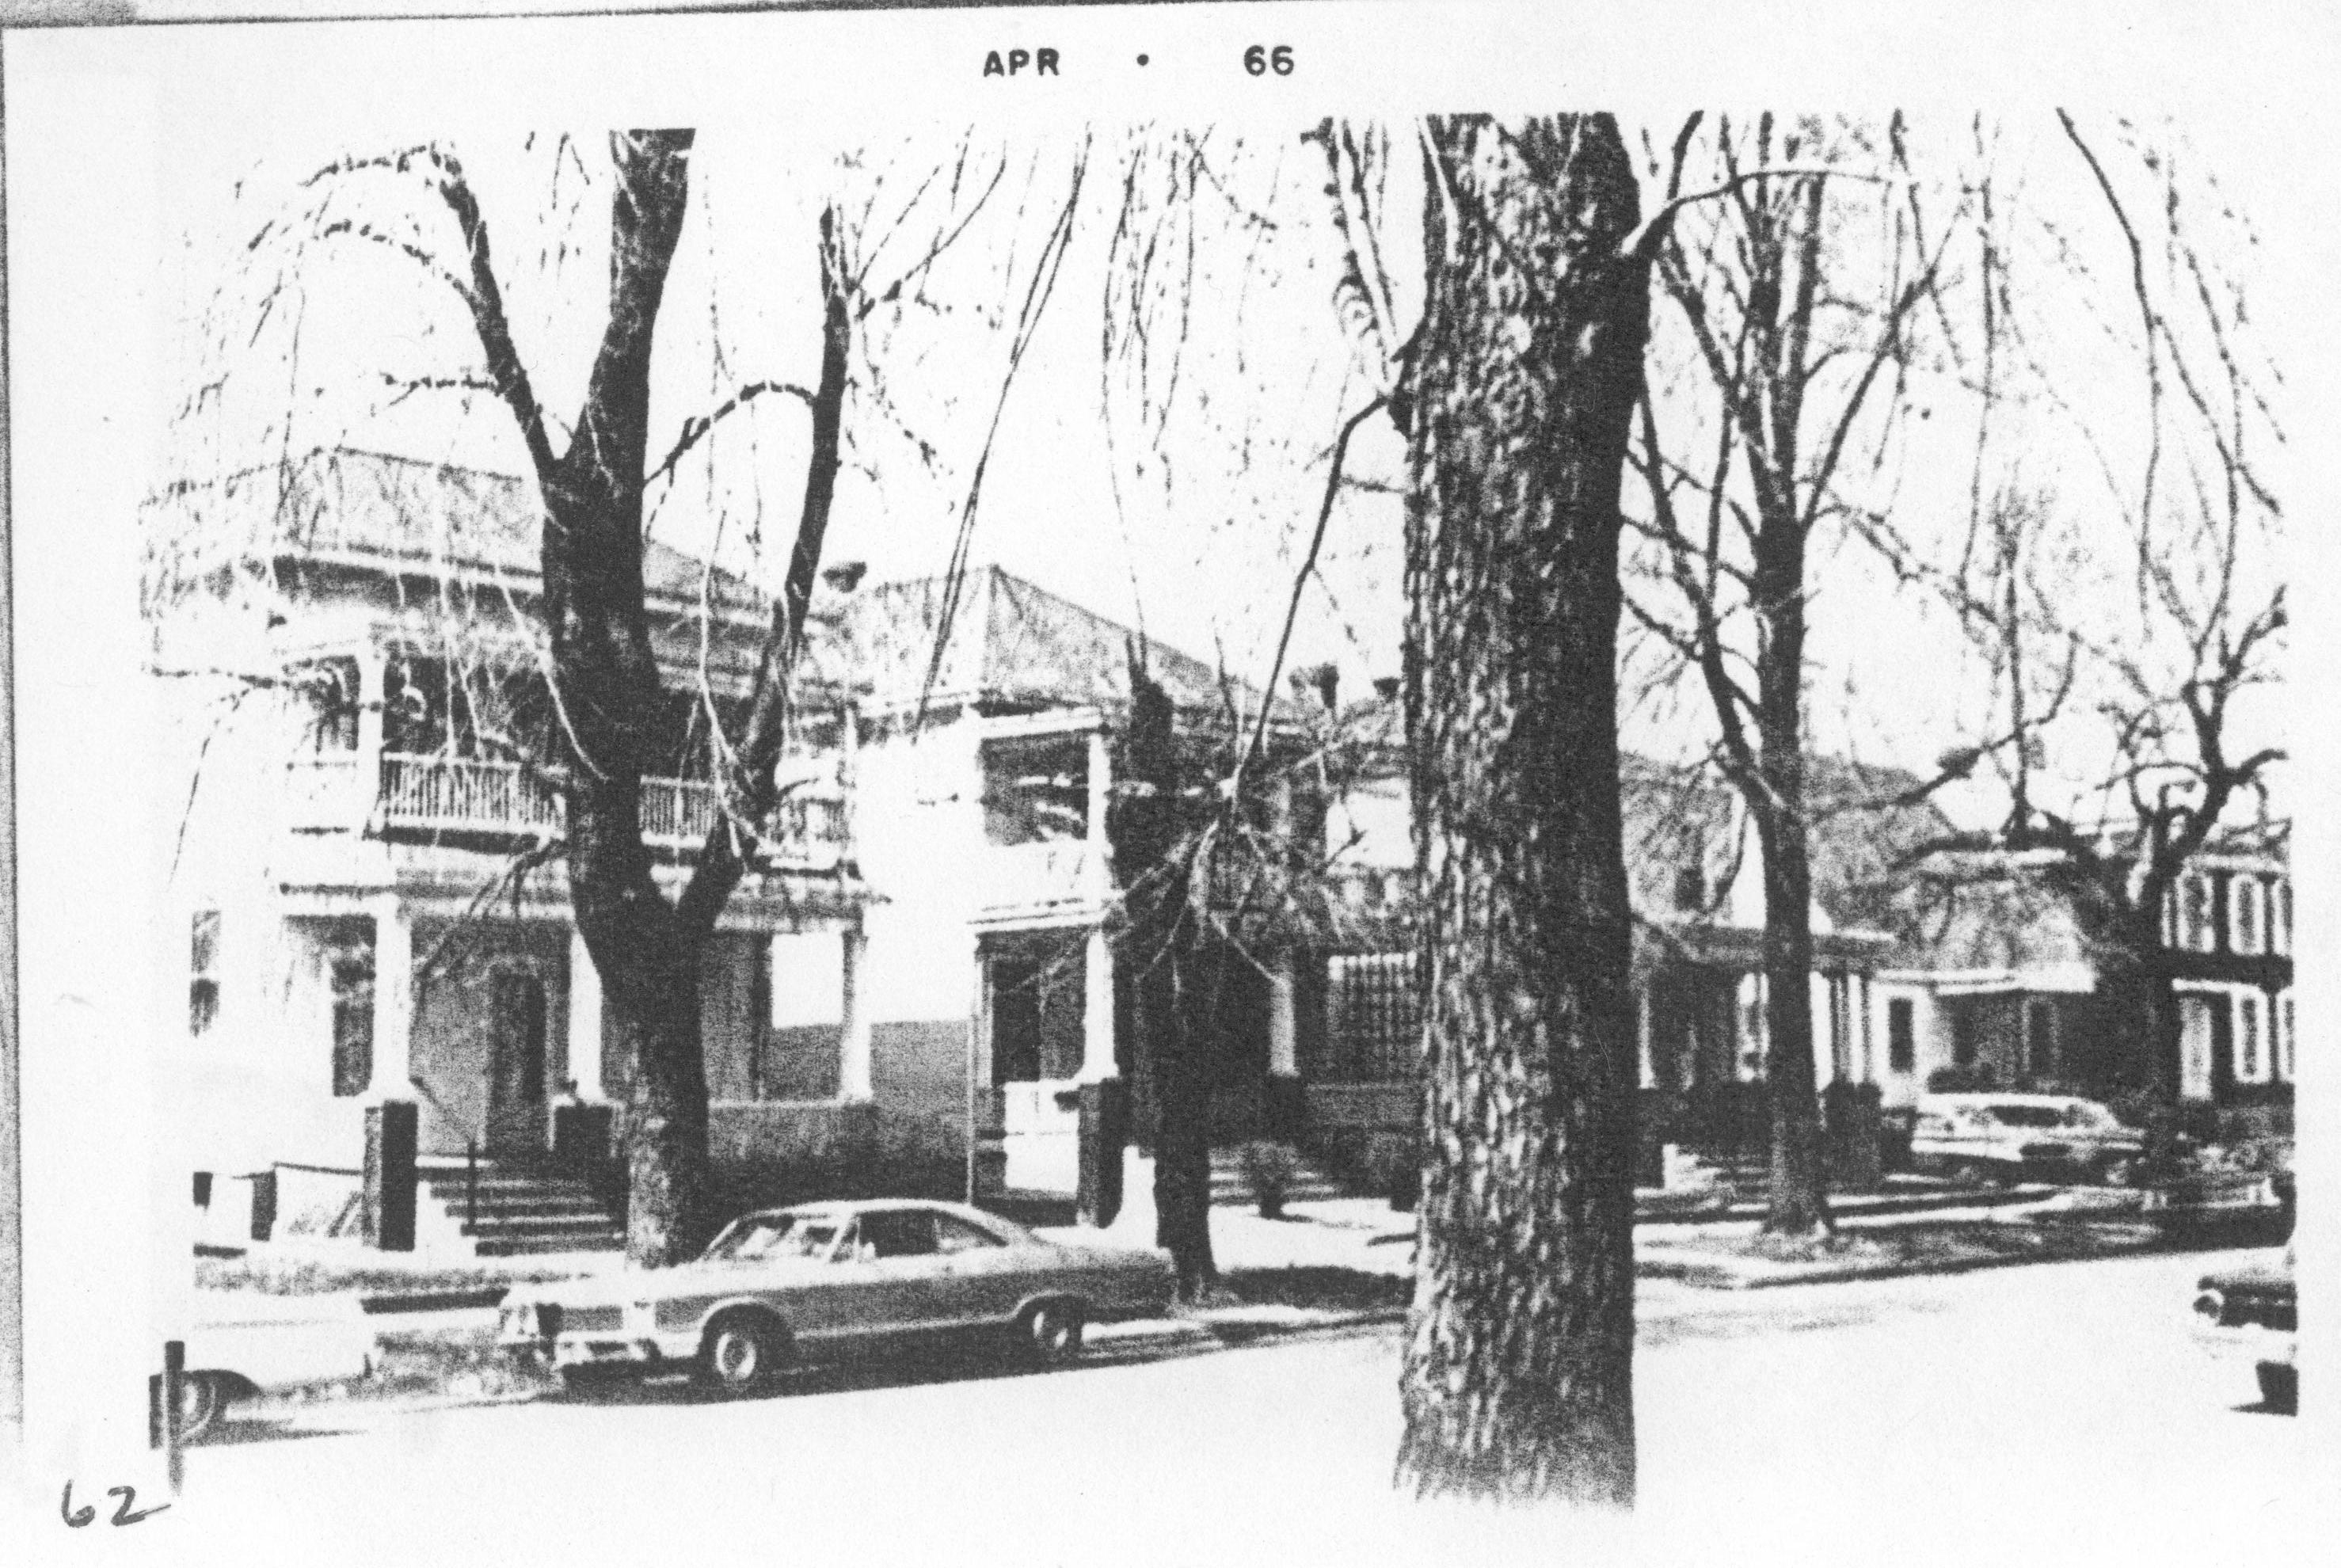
[[364, 838], [1999, 976]]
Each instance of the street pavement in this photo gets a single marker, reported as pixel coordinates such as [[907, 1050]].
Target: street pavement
[[2050, 1414]]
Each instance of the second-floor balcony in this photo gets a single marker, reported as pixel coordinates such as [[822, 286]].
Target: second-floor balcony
[[465, 801]]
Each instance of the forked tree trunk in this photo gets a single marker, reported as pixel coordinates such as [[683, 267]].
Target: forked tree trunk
[[1519, 1376]]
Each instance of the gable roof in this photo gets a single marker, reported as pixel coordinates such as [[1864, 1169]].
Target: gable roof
[[1013, 645], [374, 509]]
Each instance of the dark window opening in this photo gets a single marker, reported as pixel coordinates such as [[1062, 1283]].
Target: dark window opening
[[350, 975], [1962, 1037], [1901, 1035], [1690, 889]]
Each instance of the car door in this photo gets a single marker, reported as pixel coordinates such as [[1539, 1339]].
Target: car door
[[987, 1278], [914, 1293]]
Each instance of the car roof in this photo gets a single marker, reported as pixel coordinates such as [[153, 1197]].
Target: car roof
[[847, 1208], [1985, 1097]]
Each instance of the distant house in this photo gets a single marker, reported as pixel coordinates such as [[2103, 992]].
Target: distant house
[[1696, 886], [1998, 975]]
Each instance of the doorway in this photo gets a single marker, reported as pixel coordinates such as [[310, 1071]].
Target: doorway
[[516, 1063]]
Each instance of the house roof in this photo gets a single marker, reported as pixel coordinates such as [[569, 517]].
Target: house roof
[[1013, 645], [383, 511]]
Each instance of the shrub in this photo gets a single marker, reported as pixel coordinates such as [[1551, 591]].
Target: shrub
[[1270, 1168]]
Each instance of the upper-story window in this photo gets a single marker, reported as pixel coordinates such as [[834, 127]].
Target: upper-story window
[[1036, 788], [2247, 913], [2280, 916], [333, 688], [2196, 926]]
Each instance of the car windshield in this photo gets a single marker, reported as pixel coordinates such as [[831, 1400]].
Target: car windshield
[[775, 1236]]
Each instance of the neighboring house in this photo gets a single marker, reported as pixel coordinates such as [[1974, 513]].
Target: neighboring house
[[1696, 886], [997, 989], [1998, 975], [355, 675]]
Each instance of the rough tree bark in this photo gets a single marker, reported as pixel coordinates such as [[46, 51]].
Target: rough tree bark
[[1519, 1376], [1159, 949]]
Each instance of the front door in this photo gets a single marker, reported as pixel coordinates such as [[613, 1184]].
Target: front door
[[515, 1062]]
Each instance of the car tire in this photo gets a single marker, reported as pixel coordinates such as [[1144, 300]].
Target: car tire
[[204, 1398], [1975, 1174], [741, 1354], [2279, 1387], [2121, 1170], [1050, 1332]]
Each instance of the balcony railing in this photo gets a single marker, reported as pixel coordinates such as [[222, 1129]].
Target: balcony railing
[[1037, 878], [464, 797]]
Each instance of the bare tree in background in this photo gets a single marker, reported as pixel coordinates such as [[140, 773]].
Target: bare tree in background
[[1799, 355], [2137, 613]]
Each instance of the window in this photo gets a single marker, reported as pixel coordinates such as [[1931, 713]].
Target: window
[[2199, 928], [1373, 1016], [798, 1001], [954, 1234], [349, 970], [2195, 1045], [2246, 911], [898, 1233], [2284, 1035], [202, 971], [2280, 916], [2251, 1045], [1901, 1036], [2040, 1038]]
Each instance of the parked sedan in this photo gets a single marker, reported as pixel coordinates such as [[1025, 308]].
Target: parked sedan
[[2253, 1313], [246, 1343], [2000, 1137], [824, 1281]]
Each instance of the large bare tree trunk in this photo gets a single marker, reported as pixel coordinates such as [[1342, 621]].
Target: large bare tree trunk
[[1799, 1189], [1518, 1377], [606, 675]]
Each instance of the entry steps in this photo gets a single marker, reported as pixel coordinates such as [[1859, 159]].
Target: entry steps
[[1310, 1182], [522, 1209]]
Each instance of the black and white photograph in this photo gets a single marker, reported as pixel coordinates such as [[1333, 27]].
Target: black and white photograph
[[1275, 783]]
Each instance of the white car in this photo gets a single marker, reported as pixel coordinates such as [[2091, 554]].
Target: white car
[[1983, 1137], [246, 1343]]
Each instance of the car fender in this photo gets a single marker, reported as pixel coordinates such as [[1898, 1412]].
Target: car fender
[[1048, 1295], [696, 1331]]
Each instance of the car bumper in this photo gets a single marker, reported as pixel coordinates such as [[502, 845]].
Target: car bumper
[[2254, 1343]]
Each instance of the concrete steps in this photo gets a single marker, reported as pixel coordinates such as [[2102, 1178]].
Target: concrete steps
[[518, 1210], [1310, 1182]]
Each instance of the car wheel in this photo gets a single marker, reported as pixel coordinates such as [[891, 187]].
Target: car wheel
[[1975, 1174], [2279, 1387], [741, 1354], [203, 1397], [2119, 1171], [1051, 1332]]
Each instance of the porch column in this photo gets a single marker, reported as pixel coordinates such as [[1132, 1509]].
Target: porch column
[[853, 1022], [393, 1000], [1642, 1033], [584, 1019], [1103, 1127], [1097, 1010], [372, 698], [1101, 877]]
